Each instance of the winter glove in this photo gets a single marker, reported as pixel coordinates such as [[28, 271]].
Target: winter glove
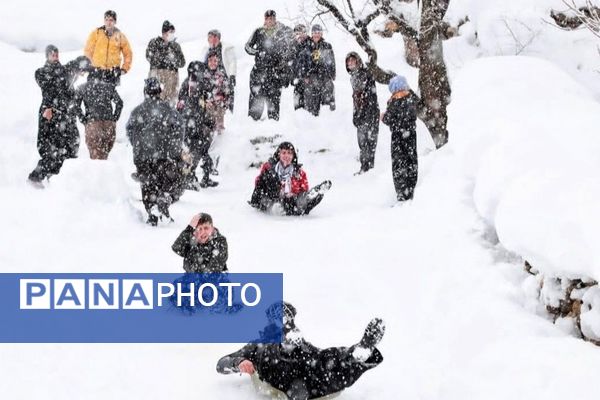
[[232, 80]]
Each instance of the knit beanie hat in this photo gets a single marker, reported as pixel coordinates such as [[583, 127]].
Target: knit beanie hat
[[398, 83]]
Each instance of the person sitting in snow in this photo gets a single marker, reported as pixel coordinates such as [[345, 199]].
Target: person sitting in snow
[[203, 248], [299, 369], [282, 184], [401, 117]]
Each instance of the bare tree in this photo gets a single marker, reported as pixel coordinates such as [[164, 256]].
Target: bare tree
[[587, 16], [423, 48]]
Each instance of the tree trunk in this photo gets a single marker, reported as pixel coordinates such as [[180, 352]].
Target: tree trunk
[[411, 51], [433, 77]]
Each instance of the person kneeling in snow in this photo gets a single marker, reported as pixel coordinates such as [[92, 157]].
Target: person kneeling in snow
[[203, 248], [299, 369], [282, 183]]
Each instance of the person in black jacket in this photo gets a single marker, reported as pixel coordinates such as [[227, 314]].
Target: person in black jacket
[[300, 64], [58, 136], [99, 117], [320, 74], [271, 47], [199, 124], [401, 117], [299, 369], [365, 115], [165, 58], [155, 131], [203, 248]]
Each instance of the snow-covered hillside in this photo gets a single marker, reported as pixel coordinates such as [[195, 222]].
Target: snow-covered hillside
[[520, 167]]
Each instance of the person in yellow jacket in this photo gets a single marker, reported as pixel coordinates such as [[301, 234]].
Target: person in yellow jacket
[[105, 46]]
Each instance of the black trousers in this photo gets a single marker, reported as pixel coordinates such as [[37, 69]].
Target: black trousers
[[367, 133], [330, 371], [161, 182], [199, 146], [267, 193], [299, 89], [405, 163], [58, 140], [318, 91], [302, 371], [265, 89]]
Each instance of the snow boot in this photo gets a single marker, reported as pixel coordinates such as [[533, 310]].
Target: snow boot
[[207, 182], [35, 182], [371, 338], [152, 220], [192, 183], [320, 189]]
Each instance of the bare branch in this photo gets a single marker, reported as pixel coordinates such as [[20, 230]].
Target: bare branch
[[351, 9], [368, 19], [587, 16], [362, 42], [317, 15]]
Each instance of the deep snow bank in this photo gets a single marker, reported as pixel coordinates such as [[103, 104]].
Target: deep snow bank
[[533, 160]]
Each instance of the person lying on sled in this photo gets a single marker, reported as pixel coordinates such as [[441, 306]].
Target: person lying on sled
[[299, 369]]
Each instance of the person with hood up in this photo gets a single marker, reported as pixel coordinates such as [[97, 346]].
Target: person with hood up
[[297, 368], [365, 114], [401, 117], [282, 186], [155, 131]]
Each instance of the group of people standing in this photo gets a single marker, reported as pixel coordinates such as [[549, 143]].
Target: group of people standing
[[283, 56], [172, 130]]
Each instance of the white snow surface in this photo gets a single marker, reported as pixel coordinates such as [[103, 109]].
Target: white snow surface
[[522, 161], [533, 160]]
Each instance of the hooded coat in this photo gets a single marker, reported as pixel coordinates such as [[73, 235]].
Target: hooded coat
[[364, 93], [299, 181]]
